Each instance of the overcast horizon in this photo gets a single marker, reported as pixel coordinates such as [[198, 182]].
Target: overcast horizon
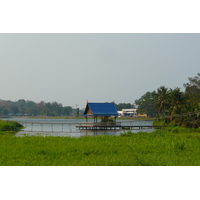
[[73, 68]]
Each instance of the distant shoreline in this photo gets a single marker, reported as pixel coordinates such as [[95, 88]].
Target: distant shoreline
[[81, 117]]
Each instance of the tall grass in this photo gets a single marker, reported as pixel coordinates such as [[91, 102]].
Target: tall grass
[[161, 148]]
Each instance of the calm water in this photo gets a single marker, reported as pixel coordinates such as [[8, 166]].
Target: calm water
[[69, 129]]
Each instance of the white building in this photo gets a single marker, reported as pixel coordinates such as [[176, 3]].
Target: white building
[[128, 112]]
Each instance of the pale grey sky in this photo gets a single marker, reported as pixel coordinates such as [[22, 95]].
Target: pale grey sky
[[73, 68]]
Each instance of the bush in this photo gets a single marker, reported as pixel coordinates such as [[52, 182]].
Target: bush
[[10, 125]]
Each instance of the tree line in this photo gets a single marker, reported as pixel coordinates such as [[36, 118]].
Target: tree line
[[31, 108], [173, 106]]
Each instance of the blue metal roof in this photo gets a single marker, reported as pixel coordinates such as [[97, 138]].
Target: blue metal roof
[[100, 109]]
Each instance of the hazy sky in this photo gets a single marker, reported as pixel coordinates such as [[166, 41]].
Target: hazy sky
[[74, 68]]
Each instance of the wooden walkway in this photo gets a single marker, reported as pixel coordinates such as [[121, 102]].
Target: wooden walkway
[[114, 126]]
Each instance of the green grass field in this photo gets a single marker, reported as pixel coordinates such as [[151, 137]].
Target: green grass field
[[172, 147]]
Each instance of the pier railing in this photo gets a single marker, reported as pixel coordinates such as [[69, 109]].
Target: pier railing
[[101, 124]]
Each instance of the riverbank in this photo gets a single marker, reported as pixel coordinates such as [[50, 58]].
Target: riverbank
[[162, 148]]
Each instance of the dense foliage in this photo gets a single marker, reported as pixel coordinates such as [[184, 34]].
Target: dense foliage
[[30, 108], [162, 148], [146, 104], [172, 106]]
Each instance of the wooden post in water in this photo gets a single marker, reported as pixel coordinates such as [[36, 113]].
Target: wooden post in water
[[86, 121], [41, 127]]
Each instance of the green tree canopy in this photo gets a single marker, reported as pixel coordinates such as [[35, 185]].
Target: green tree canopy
[[173, 106], [146, 104], [162, 100], [192, 88]]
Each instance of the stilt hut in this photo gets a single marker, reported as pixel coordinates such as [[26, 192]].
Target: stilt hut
[[103, 110]]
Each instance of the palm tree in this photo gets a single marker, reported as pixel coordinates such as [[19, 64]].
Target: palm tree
[[177, 102], [162, 100]]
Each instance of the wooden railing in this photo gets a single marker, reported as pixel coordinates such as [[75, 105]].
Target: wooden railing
[[101, 124]]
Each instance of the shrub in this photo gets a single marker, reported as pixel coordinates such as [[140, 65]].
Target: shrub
[[10, 125]]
